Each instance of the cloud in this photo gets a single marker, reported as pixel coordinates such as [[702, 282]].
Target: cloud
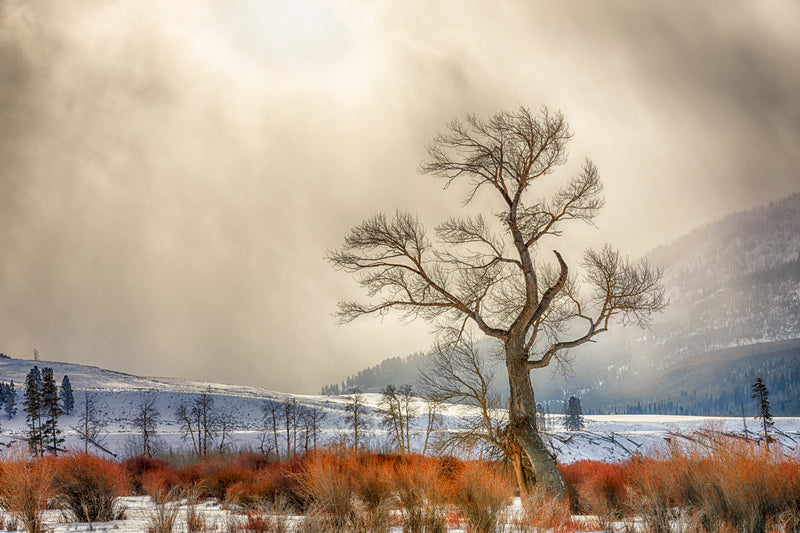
[[173, 173]]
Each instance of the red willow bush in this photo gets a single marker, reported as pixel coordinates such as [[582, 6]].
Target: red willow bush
[[721, 483], [89, 487], [26, 488]]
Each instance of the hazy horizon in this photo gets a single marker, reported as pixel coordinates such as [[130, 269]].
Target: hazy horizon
[[174, 172]]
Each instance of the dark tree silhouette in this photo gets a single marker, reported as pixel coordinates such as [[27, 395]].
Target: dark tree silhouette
[[573, 414], [761, 395], [32, 405], [67, 397], [486, 273], [51, 410]]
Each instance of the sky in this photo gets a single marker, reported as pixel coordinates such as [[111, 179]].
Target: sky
[[174, 172]]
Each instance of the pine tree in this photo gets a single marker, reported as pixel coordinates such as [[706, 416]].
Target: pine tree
[[33, 411], [67, 398], [10, 400], [761, 395], [573, 420], [51, 410]]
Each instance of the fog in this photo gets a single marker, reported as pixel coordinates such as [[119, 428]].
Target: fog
[[173, 172]]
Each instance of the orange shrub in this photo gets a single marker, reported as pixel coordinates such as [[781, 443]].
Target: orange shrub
[[217, 474], [26, 487], [136, 468], [90, 487], [159, 482], [482, 493], [595, 487]]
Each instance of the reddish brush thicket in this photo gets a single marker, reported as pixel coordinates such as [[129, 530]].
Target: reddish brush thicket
[[481, 493], [138, 466], [715, 484], [26, 488], [90, 487], [595, 487]]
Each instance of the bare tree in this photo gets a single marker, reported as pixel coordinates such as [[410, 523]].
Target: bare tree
[[200, 422], [207, 421], [313, 418], [271, 411], [397, 411], [145, 422], [186, 420], [433, 422], [356, 414], [91, 425], [456, 373], [486, 273]]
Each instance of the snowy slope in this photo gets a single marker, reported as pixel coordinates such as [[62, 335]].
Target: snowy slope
[[118, 396]]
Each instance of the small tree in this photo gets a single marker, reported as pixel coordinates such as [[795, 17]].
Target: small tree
[[67, 397], [91, 425], [146, 421], [271, 411], [397, 410], [51, 409], [573, 415], [761, 396], [356, 414]]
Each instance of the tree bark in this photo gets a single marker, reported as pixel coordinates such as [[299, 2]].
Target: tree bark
[[522, 421]]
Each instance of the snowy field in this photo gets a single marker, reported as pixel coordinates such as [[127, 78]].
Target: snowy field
[[606, 438], [141, 510], [117, 395]]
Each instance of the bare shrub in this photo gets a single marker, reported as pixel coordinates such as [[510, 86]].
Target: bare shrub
[[373, 492], [89, 487], [26, 487], [164, 514], [326, 480], [423, 500], [542, 511], [481, 494]]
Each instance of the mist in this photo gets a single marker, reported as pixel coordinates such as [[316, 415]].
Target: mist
[[173, 172]]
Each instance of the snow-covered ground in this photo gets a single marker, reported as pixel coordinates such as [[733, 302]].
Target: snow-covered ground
[[117, 395]]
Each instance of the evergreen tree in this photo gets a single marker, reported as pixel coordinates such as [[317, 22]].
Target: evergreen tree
[[32, 405], [573, 420], [51, 410], [10, 400], [67, 398], [761, 395]]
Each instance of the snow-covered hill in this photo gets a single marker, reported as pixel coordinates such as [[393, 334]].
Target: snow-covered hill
[[119, 395]]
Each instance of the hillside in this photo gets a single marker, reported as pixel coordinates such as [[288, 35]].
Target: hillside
[[734, 288], [118, 395]]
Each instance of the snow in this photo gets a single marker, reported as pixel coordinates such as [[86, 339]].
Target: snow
[[605, 437]]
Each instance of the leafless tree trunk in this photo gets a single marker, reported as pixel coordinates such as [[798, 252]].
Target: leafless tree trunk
[[146, 421], [432, 419], [356, 413], [397, 412], [185, 419], [315, 416], [271, 410], [90, 424], [484, 273]]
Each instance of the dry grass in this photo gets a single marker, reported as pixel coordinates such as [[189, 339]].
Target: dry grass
[[482, 494]]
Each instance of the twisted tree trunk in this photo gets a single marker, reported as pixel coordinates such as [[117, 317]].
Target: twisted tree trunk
[[522, 422]]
